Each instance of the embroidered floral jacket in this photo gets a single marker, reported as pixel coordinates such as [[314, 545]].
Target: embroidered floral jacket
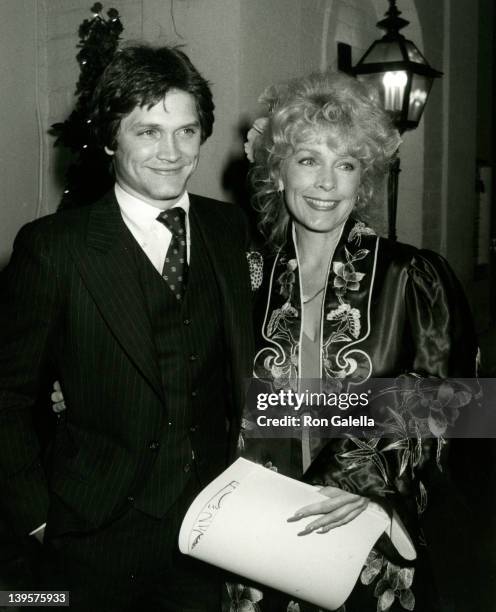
[[389, 309]]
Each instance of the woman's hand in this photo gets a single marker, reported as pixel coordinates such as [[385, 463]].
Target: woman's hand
[[341, 508], [57, 398]]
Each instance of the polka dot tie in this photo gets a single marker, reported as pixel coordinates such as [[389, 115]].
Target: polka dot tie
[[175, 268]]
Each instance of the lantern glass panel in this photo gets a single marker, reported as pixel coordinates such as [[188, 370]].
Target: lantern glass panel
[[414, 54], [383, 52], [374, 82], [419, 92], [387, 89]]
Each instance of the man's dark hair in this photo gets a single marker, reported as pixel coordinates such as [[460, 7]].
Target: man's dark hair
[[142, 75]]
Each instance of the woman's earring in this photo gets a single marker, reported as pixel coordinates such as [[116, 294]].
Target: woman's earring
[[280, 186]]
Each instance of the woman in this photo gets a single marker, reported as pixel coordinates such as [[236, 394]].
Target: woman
[[339, 304]]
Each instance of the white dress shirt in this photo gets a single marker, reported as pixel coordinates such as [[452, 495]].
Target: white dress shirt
[[152, 235]]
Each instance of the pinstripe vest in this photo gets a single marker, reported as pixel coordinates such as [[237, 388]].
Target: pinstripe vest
[[189, 343]]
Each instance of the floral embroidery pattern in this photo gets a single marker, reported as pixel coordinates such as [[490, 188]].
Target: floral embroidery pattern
[[285, 375], [419, 413], [345, 318], [359, 230], [243, 598], [436, 409], [416, 409], [343, 321], [283, 364], [287, 279], [395, 582], [279, 318], [366, 452], [404, 411], [346, 278], [246, 425]]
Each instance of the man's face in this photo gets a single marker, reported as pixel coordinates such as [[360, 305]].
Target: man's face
[[158, 149]]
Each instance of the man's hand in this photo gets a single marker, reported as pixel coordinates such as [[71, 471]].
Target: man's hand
[[57, 398], [341, 508]]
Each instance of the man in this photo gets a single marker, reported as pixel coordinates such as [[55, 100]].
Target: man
[[139, 305]]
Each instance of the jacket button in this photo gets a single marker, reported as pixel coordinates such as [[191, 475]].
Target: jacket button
[[192, 428], [130, 499], [194, 393], [186, 321], [154, 445], [187, 467], [193, 357]]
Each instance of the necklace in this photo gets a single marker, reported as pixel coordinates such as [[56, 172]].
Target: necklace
[[306, 299]]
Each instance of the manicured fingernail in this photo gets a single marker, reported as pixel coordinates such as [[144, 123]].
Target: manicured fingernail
[[305, 531], [295, 517]]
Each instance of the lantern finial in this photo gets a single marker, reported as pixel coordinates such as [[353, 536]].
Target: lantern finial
[[392, 23]]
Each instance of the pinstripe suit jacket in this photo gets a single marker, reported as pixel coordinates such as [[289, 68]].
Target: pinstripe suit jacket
[[72, 302]]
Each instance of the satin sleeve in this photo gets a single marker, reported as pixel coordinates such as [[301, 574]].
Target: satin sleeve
[[439, 319], [442, 341]]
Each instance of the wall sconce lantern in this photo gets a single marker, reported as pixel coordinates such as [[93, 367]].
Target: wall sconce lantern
[[396, 69], [402, 78]]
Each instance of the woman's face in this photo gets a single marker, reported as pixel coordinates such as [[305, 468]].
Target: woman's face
[[320, 184]]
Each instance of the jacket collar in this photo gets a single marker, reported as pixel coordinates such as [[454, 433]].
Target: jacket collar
[[108, 268], [109, 271]]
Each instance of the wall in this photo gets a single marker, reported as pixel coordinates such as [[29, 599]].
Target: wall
[[431, 15], [485, 288], [451, 34], [485, 85], [209, 33], [241, 46], [460, 146], [19, 134]]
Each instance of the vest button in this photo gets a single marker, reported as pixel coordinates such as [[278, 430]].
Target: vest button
[[192, 428], [193, 357], [194, 393], [187, 467], [130, 499], [154, 445], [186, 321]]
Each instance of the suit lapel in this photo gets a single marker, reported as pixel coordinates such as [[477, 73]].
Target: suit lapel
[[108, 268], [231, 270], [226, 263]]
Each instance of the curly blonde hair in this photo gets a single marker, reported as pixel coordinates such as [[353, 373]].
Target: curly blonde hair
[[297, 110]]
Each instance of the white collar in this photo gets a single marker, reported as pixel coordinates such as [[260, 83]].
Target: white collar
[[140, 215]]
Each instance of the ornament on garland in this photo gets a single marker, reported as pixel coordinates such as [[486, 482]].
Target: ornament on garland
[[89, 175]]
